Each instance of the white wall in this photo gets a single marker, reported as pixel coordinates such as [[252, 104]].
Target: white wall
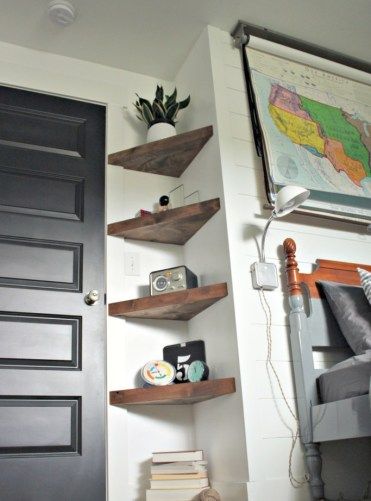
[[268, 439], [219, 423]]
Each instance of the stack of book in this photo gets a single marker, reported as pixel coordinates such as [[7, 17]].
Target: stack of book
[[177, 476]]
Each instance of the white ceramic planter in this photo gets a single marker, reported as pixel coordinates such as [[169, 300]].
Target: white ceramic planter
[[160, 131]]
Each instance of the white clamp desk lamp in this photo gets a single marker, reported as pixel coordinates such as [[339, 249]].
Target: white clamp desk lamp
[[264, 275]]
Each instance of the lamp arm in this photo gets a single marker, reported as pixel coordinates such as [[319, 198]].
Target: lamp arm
[[262, 252]]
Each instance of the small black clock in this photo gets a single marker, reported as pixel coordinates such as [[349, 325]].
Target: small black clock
[[197, 371]]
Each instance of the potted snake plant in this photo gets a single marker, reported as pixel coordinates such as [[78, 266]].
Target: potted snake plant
[[160, 116]]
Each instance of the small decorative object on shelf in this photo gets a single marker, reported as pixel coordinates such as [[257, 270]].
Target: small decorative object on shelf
[[197, 371], [142, 213], [160, 115], [177, 196], [182, 355], [172, 280], [164, 203], [158, 373]]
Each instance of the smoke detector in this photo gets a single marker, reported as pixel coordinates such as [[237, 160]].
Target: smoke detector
[[61, 12]]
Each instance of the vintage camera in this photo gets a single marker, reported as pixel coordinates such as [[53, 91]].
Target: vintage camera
[[171, 280]]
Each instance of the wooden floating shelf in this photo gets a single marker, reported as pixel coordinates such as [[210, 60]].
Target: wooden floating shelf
[[168, 157], [175, 226], [181, 305], [184, 393]]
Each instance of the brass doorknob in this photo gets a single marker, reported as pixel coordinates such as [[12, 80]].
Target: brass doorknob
[[92, 297]]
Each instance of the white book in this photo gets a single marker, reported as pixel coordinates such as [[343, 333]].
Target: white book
[[175, 495], [191, 483], [173, 456], [178, 476], [179, 467]]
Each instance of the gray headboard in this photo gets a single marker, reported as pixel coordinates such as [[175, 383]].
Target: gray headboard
[[315, 330]]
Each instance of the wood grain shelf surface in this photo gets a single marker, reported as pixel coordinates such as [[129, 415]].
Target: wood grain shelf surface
[[184, 393], [175, 226], [168, 157], [181, 305]]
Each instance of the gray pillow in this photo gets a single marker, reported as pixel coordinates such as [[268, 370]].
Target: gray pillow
[[365, 277], [352, 311]]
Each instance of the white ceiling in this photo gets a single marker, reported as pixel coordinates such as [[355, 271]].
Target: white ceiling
[[154, 36]]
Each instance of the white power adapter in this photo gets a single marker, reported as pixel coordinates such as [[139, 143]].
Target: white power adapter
[[264, 276]]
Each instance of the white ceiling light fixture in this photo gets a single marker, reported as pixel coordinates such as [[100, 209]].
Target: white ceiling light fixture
[[61, 12]]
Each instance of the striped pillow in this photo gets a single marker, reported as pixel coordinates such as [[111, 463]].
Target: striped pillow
[[365, 282]]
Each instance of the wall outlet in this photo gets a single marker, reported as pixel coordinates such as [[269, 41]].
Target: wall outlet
[[131, 264], [264, 276]]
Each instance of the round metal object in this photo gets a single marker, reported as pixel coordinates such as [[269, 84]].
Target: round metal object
[[92, 297], [160, 283]]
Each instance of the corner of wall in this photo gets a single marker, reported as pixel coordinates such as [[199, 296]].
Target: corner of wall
[[219, 423]]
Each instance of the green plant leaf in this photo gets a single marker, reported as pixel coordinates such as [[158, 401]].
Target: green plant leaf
[[159, 93], [183, 104], [139, 108], [144, 101], [147, 114], [170, 100], [139, 118], [172, 112], [158, 110], [161, 105]]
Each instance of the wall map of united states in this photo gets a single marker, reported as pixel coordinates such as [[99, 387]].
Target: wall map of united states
[[325, 131]]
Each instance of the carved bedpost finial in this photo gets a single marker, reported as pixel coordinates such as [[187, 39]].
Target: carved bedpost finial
[[292, 270], [289, 246]]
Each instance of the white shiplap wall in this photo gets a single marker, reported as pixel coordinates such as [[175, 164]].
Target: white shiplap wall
[[268, 438]]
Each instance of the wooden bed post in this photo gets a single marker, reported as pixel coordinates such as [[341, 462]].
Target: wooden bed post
[[292, 270], [300, 346]]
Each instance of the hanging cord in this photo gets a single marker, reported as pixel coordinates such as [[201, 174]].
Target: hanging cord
[[269, 366]]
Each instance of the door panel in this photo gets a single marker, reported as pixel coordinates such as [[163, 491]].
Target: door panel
[[43, 341], [55, 265], [41, 194], [61, 134], [52, 344], [39, 426]]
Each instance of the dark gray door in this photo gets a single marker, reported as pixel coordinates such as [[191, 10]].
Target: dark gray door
[[52, 344]]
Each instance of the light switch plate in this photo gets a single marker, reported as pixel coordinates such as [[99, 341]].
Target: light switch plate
[[131, 264], [264, 276]]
